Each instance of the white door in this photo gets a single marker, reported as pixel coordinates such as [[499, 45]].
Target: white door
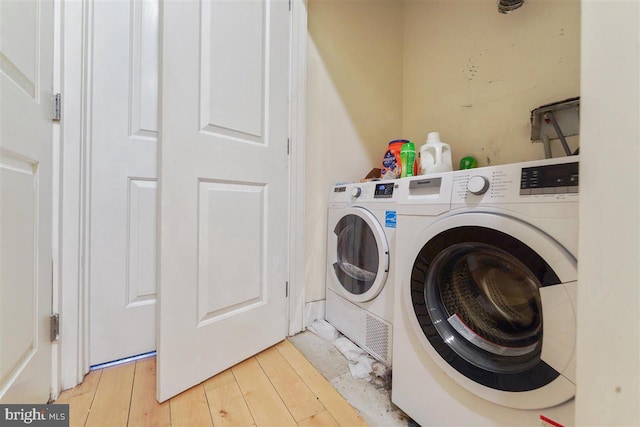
[[223, 186], [124, 134], [26, 137]]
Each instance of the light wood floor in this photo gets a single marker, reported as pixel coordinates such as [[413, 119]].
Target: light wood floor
[[278, 387]]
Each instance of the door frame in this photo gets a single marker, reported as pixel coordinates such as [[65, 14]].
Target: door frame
[[71, 244]]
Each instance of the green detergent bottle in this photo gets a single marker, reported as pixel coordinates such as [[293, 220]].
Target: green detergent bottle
[[407, 159]]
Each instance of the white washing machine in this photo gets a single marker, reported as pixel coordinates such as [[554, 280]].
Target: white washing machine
[[485, 314], [360, 262]]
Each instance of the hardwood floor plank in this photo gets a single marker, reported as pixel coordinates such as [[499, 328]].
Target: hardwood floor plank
[[321, 419], [295, 394], [145, 410], [113, 396], [337, 406], [226, 402], [264, 402], [223, 378], [80, 398], [275, 388], [190, 409], [88, 386]]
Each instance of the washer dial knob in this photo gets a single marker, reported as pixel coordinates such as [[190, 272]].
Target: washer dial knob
[[478, 184], [356, 191]]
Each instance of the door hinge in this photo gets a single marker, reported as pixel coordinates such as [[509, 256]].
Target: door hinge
[[289, 5], [286, 289], [54, 321], [288, 146], [57, 107]]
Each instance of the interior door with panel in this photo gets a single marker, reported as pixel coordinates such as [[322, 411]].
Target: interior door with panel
[[123, 178], [26, 138], [223, 186]]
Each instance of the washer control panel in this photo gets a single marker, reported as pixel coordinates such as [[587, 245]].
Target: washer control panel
[[556, 179], [549, 179]]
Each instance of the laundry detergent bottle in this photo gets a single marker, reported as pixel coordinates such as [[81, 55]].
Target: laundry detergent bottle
[[435, 155], [407, 159]]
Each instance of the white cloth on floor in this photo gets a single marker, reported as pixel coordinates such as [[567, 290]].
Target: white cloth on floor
[[324, 329], [348, 349], [359, 371], [361, 364]]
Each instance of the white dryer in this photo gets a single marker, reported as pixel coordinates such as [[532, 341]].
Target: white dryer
[[485, 319], [360, 261]]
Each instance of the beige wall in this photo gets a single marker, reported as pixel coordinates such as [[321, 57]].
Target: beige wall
[[385, 69], [354, 103], [474, 74]]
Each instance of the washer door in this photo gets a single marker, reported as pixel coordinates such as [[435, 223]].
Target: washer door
[[359, 254], [491, 295]]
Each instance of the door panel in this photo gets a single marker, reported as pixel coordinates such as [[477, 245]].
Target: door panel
[[217, 263], [123, 215], [224, 186], [141, 281], [228, 107], [26, 137]]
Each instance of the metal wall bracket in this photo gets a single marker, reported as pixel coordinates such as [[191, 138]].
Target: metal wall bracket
[[556, 121]]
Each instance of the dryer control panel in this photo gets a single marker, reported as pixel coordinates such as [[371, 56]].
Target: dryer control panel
[[374, 191]]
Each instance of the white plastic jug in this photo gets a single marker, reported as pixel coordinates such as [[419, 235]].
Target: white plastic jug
[[435, 155]]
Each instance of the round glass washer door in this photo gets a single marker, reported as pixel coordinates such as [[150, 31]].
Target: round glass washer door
[[477, 293], [359, 254], [487, 297]]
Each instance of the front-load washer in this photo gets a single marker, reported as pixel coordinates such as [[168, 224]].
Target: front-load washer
[[360, 262], [485, 313]]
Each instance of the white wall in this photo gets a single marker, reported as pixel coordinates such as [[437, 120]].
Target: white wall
[[474, 74], [354, 103], [608, 357]]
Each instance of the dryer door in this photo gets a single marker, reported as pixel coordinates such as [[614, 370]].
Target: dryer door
[[493, 298], [358, 254]]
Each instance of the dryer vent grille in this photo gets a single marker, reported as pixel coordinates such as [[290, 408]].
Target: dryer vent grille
[[377, 338]]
